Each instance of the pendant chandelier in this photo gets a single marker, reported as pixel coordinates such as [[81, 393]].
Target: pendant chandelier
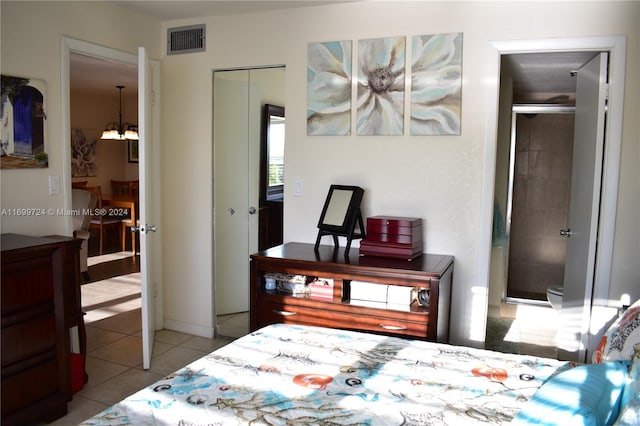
[[120, 131]]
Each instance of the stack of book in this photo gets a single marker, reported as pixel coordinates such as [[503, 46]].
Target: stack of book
[[382, 296]]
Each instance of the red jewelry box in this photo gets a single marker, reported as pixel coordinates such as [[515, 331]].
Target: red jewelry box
[[392, 236]]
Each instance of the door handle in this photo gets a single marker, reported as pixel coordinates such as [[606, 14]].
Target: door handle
[[231, 211], [150, 228], [252, 210], [393, 327], [565, 232], [284, 313]]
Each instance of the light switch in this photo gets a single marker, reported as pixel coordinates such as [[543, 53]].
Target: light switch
[[54, 185], [297, 188]]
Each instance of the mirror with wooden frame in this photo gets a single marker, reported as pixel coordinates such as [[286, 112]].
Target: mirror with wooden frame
[[341, 215]]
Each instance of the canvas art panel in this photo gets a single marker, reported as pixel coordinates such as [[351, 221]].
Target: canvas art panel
[[436, 84], [83, 152], [329, 88], [22, 118], [381, 75]]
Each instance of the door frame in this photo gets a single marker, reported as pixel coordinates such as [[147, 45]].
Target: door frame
[[213, 162], [616, 46], [68, 46]]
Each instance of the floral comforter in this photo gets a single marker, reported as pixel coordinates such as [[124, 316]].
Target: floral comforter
[[293, 375]]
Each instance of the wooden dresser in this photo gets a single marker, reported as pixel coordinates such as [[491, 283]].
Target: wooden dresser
[[429, 272], [40, 304]]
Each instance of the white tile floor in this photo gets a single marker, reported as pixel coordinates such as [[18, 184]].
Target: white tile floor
[[114, 347]]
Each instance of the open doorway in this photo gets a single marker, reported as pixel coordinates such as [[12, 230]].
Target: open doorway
[[499, 131], [111, 276]]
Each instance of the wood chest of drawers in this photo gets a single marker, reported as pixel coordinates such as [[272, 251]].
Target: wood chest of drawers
[[428, 272], [40, 303]]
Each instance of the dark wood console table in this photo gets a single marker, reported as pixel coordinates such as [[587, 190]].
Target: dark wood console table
[[429, 271], [40, 304]]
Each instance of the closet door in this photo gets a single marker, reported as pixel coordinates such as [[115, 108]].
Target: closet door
[[238, 99], [231, 190]]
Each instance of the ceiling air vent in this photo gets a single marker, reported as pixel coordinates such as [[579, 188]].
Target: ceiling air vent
[[186, 39]]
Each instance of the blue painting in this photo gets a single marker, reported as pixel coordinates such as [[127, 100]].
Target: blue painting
[[22, 118]]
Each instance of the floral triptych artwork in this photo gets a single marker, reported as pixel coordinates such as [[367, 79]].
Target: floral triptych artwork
[[435, 79], [329, 88]]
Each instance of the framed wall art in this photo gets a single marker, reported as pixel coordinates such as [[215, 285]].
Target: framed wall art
[[22, 118]]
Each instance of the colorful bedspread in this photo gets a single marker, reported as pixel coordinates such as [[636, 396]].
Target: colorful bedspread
[[294, 375]]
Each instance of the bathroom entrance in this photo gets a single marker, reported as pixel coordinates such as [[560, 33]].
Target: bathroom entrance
[[538, 199]]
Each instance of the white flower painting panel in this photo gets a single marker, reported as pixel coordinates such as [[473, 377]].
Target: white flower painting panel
[[381, 75], [329, 88], [436, 84]]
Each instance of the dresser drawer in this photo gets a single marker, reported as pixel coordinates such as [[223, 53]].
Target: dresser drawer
[[272, 313], [406, 228]]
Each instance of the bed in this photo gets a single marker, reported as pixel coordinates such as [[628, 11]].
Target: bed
[[293, 375]]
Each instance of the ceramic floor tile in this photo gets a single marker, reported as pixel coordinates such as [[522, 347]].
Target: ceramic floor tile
[[126, 351], [98, 337], [203, 344], [126, 323], [171, 337], [80, 409], [231, 331], [99, 371], [238, 320], [174, 359], [121, 386]]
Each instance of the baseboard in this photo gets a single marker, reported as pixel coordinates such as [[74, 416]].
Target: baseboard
[[193, 329]]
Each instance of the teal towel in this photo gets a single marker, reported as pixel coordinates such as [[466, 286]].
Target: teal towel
[[499, 239]]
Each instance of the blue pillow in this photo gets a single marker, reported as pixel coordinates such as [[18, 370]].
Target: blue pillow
[[630, 403], [585, 395]]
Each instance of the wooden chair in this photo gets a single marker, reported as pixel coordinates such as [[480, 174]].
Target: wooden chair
[[102, 221], [127, 189], [80, 184], [124, 188], [127, 223]]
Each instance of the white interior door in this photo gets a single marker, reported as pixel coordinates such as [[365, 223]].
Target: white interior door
[[586, 176], [149, 202]]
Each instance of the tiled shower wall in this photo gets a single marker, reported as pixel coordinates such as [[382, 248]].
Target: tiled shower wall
[[542, 182]]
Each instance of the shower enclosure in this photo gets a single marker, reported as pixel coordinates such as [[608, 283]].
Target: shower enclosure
[[537, 202]]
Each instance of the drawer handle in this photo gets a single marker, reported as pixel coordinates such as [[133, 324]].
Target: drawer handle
[[284, 313], [393, 327]]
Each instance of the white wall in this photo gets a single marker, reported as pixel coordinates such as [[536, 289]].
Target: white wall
[[31, 47], [92, 111], [436, 178]]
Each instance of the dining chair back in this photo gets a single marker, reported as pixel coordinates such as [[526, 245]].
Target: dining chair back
[[127, 191], [124, 188], [101, 219]]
